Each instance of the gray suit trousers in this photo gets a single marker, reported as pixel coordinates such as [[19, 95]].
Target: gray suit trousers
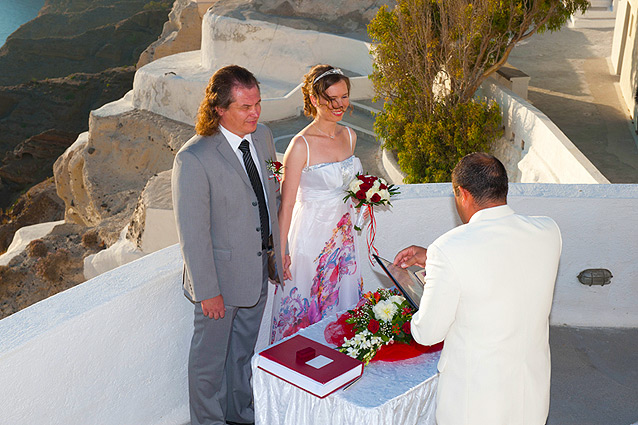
[[227, 346]]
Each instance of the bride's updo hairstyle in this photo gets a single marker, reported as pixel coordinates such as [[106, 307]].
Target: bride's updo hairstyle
[[316, 82]]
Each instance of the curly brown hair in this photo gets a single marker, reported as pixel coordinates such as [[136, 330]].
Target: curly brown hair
[[219, 94], [318, 88]]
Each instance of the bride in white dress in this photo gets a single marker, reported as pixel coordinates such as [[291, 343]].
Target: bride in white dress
[[322, 271]]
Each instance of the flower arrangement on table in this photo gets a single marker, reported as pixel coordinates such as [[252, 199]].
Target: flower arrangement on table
[[275, 168], [378, 327], [366, 192]]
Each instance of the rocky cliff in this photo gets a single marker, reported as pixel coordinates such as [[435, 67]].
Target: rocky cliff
[[84, 36], [67, 38], [40, 119], [76, 56]]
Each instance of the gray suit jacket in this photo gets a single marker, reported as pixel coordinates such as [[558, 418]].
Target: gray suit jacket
[[217, 218]]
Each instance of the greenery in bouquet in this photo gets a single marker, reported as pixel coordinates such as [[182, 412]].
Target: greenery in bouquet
[[276, 169], [380, 318]]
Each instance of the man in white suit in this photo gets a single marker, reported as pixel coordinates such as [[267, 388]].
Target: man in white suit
[[488, 294], [225, 205]]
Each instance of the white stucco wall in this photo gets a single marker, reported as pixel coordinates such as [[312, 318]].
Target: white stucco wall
[[113, 350], [536, 150], [624, 54], [590, 240], [267, 48]]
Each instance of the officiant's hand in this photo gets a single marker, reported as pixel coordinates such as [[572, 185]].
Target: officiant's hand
[[411, 255], [287, 274], [214, 307]]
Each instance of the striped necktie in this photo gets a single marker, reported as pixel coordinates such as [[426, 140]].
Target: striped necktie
[[255, 181]]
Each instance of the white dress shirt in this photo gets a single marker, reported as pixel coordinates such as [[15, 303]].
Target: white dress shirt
[[234, 141]]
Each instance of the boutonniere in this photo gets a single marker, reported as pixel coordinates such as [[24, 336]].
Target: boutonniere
[[275, 168]]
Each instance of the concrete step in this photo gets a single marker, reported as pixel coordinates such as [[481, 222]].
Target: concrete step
[[361, 119], [592, 23], [601, 3], [596, 13], [599, 16]]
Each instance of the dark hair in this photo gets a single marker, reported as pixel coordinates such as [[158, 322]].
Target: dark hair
[[219, 94], [483, 175], [318, 88]]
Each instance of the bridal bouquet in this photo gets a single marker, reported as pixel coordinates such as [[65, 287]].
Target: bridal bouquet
[[381, 318], [366, 191]]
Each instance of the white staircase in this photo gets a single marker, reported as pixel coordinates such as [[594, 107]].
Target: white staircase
[[601, 14]]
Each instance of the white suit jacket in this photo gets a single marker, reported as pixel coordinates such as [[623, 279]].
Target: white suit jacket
[[488, 294]]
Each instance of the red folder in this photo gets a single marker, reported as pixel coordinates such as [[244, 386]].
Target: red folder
[[292, 360]]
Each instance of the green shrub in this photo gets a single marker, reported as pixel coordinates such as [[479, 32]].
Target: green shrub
[[428, 147], [430, 58]]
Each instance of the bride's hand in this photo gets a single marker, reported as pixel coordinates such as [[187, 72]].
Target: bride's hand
[[287, 274], [366, 211]]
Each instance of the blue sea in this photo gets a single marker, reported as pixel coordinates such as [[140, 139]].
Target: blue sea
[[14, 13]]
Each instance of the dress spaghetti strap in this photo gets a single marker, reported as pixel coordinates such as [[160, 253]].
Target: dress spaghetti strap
[[350, 136], [307, 151]]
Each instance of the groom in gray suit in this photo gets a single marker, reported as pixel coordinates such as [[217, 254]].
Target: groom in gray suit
[[225, 206]]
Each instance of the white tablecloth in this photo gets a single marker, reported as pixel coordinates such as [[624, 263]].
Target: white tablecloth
[[388, 393]]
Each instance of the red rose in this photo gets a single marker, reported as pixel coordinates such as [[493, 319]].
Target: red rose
[[361, 194], [278, 165], [375, 198], [383, 187], [406, 328], [373, 326]]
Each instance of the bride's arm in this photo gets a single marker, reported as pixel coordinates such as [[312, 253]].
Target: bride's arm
[[294, 162]]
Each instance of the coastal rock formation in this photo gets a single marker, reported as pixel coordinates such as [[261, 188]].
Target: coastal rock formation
[[181, 33], [27, 164], [101, 176], [88, 36], [151, 228], [40, 204], [40, 119], [333, 16], [42, 88], [49, 265]]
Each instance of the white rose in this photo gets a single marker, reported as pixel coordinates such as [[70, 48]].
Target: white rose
[[384, 194], [376, 185], [371, 192], [355, 185]]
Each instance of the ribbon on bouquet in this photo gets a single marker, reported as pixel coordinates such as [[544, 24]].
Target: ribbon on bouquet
[[372, 232]]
